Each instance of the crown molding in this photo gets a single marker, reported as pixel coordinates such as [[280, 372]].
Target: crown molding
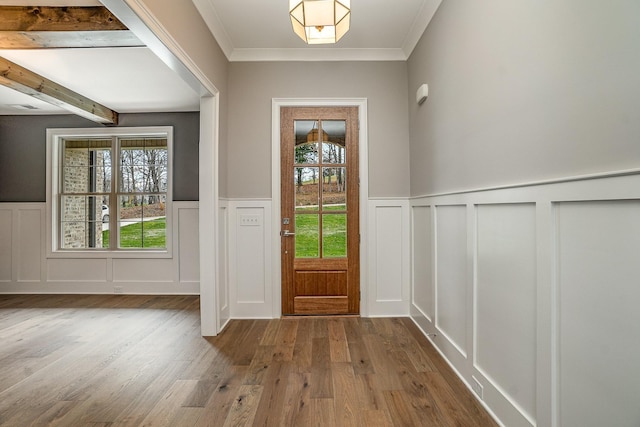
[[211, 18], [316, 54], [429, 8]]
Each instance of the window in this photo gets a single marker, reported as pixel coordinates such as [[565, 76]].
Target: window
[[110, 189]]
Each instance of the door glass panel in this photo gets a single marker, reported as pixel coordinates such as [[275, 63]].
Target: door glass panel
[[306, 153], [334, 235], [307, 232], [333, 141], [334, 189], [306, 145], [306, 188]]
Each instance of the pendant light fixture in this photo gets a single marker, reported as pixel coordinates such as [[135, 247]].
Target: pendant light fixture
[[320, 21], [313, 134]]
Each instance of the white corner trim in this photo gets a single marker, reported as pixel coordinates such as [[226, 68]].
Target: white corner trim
[[419, 26], [215, 25], [276, 104]]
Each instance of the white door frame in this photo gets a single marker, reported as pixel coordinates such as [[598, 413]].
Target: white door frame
[[276, 104]]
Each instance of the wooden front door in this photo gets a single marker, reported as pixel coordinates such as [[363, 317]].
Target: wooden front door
[[320, 210]]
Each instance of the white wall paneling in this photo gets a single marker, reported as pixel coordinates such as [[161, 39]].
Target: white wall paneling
[[540, 283], [185, 235], [423, 298], [29, 254], [598, 291], [251, 289], [505, 301], [223, 263], [30, 271], [452, 275], [6, 239], [388, 284]]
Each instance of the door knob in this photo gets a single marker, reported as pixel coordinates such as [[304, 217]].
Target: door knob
[[287, 233]]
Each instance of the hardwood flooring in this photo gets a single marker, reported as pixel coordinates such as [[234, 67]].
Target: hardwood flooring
[[140, 361]]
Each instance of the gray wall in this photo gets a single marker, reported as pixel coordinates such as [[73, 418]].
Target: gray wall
[[23, 151], [523, 91], [253, 85]]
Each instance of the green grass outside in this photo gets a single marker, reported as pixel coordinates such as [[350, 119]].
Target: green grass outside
[[334, 236], [147, 234], [300, 209]]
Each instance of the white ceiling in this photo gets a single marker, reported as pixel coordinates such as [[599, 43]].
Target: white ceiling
[[126, 80], [131, 80], [260, 30]]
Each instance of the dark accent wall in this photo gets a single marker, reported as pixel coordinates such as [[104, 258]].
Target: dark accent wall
[[23, 151]]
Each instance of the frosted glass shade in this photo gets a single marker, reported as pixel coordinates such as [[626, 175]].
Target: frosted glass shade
[[320, 21]]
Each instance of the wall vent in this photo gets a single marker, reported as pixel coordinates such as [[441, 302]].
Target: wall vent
[[23, 107]]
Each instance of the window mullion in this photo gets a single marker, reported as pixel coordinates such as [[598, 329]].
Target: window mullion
[[114, 216]]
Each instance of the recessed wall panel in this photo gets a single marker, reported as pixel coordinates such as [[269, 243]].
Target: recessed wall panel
[[143, 270], [5, 244], [223, 247], [188, 245], [505, 301], [389, 253], [598, 280], [250, 257], [29, 254], [76, 270], [423, 291], [452, 279]]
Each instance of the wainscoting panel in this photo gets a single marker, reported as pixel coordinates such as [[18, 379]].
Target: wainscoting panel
[[188, 244], [143, 270], [423, 273], [223, 263], [541, 281], [31, 238], [452, 276], [77, 270], [505, 301], [598, 293], [389, 239], [25, 268], [250, 259], [6, 237]]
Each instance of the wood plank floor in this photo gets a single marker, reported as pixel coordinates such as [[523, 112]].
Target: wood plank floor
[[140, 361]]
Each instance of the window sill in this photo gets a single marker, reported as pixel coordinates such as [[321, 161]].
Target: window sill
[[107, 254]]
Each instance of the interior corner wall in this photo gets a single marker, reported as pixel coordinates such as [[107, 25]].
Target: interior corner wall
[[524, 91], [252, 85], [525, 201]]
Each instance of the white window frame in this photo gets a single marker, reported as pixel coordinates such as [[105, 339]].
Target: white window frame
[[55, 139]]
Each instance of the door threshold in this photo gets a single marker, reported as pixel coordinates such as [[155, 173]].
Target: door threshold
[[316, 316]]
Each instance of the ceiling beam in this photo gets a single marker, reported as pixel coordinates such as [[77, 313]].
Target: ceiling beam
[[30, 27], [19, 78], [32, 18], [67, 39]]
